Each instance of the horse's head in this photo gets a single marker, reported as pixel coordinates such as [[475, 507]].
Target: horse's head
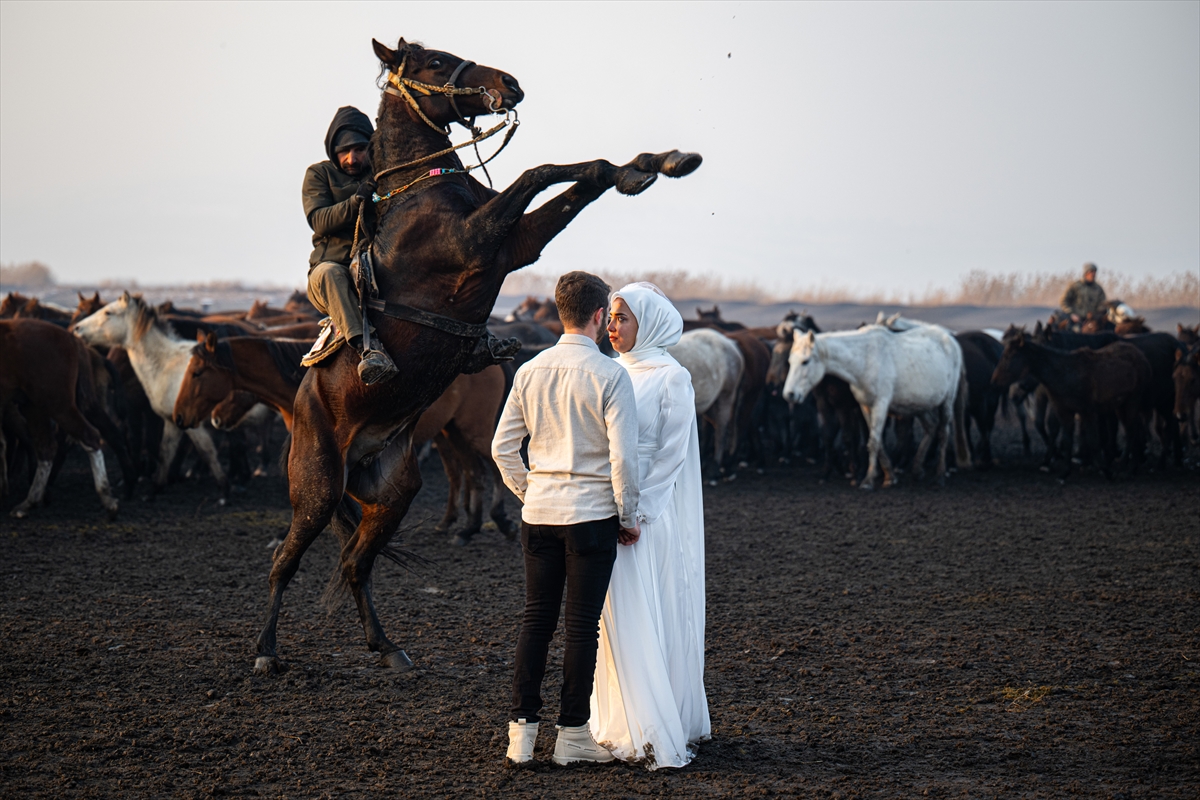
[[117, 322], [1187, 382], [1013, 365], [230, 412], [207, 380], [805, 367], [709, 316], [777, 372], [422, 73], [11, 303], [87, 306]]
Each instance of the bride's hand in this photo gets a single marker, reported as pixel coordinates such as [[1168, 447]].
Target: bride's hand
[[628, 536]]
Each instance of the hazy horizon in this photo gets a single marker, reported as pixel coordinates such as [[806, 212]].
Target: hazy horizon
[[865, 146]]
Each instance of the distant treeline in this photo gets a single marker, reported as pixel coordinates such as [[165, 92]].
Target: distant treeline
[[976, 288]]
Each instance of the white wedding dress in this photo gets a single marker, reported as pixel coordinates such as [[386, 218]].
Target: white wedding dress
[[648, 702]]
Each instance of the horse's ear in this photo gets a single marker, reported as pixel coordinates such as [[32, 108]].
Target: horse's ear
[[82, 299], [1037, 328], [125, 296], [201, 336], [387, 55], [210, 342], [811, 337]]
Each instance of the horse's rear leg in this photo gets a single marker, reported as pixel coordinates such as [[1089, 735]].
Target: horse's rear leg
[[386, 493], [876, 453], [44, 446], [498, 512], [314, 472], [930, 425]]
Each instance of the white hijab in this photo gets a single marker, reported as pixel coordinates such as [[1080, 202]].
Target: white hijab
[[659, 325]]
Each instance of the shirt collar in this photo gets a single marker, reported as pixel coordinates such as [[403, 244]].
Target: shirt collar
[[576, 338]]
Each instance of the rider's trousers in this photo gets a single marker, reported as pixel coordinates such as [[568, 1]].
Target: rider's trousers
[[331, 290]]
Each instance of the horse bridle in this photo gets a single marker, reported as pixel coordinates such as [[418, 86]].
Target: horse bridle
[[400, 86]]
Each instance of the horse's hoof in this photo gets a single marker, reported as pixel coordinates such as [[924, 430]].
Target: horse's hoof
[[440, 528], [397, 659], [460, 540], [268, 665], [221, 501], [1043, 468], [941, 481], [631, 181], [110, 511], [678, 164], [20, 512], [867, 487]]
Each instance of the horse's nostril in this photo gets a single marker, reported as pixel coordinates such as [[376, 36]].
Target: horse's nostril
[[511, 84]]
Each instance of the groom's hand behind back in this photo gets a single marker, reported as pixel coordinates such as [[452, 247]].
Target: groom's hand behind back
[[628, 536]]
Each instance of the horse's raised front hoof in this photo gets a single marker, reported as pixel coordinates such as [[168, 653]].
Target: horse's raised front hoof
[[678, 164], [268, 665], [631, 181], [397, 659]]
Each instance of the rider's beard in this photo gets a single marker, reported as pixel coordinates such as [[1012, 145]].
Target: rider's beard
[[357, 170]]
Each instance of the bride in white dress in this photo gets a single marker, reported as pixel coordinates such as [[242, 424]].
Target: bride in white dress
[[648, 702]]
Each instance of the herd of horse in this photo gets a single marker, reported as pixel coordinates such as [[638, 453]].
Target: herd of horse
[[145, 380], [130, 378]]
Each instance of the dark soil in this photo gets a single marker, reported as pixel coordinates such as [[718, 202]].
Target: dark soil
[[1002, 637]]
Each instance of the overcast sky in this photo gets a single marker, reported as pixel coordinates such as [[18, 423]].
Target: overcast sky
[[869, 146]]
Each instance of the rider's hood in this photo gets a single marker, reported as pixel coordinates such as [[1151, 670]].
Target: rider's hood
[[347, 117]]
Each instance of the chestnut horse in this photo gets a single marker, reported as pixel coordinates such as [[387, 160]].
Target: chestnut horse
[[462, 421], [442, 248], [48, 376]]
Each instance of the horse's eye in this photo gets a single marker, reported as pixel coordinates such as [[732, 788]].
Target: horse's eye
[[805, 361], [435, 64]]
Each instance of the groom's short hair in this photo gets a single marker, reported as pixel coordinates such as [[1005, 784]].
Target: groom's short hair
[[578, 295]]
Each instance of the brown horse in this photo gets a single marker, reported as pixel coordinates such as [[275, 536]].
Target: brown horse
[[225, 378], [48, 377], [267, 368], [1187, 390], [441, 251], [1101, 386], [711, 319]]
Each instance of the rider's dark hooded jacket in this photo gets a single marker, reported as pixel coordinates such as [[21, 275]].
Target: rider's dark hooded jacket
[[328, 193]]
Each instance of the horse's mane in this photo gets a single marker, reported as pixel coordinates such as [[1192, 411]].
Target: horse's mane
[[146, 317], [286, 353], [223, 355]]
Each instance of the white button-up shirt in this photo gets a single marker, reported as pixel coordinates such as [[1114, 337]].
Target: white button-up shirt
[[578, 408]]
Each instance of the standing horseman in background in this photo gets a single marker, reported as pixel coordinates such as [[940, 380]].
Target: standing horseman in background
[[333, 192], [1083, 297]]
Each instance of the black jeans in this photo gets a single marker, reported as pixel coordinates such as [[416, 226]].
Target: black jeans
[[580, 556]]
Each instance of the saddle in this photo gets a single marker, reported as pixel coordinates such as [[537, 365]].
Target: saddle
[[328, 342]]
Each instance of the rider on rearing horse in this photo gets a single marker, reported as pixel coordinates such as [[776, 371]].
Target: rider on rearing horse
[[333, 190]]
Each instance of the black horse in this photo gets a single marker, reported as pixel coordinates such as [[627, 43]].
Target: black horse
[[444, 244]]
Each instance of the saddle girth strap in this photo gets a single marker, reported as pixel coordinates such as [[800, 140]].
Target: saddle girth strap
[[454, 327]]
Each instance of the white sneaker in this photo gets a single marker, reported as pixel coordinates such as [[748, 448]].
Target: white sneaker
[[577, 744], [522, 736]]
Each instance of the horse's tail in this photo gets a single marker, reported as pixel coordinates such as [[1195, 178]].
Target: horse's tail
[[284, 453], [345, 521], [962, 447]]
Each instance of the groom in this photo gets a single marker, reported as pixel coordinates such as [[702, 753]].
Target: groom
[[580, 496]]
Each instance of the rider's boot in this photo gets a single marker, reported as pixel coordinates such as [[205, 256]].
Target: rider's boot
[[488, 351], [375, 365]]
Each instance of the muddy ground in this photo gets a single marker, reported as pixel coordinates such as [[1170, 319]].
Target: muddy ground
[[1004, 636]]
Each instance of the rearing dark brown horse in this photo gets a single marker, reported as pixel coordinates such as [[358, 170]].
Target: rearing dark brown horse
[[444, 246]]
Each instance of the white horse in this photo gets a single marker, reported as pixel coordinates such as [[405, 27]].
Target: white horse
[[160, 359], [715, 363], [918, 372]]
